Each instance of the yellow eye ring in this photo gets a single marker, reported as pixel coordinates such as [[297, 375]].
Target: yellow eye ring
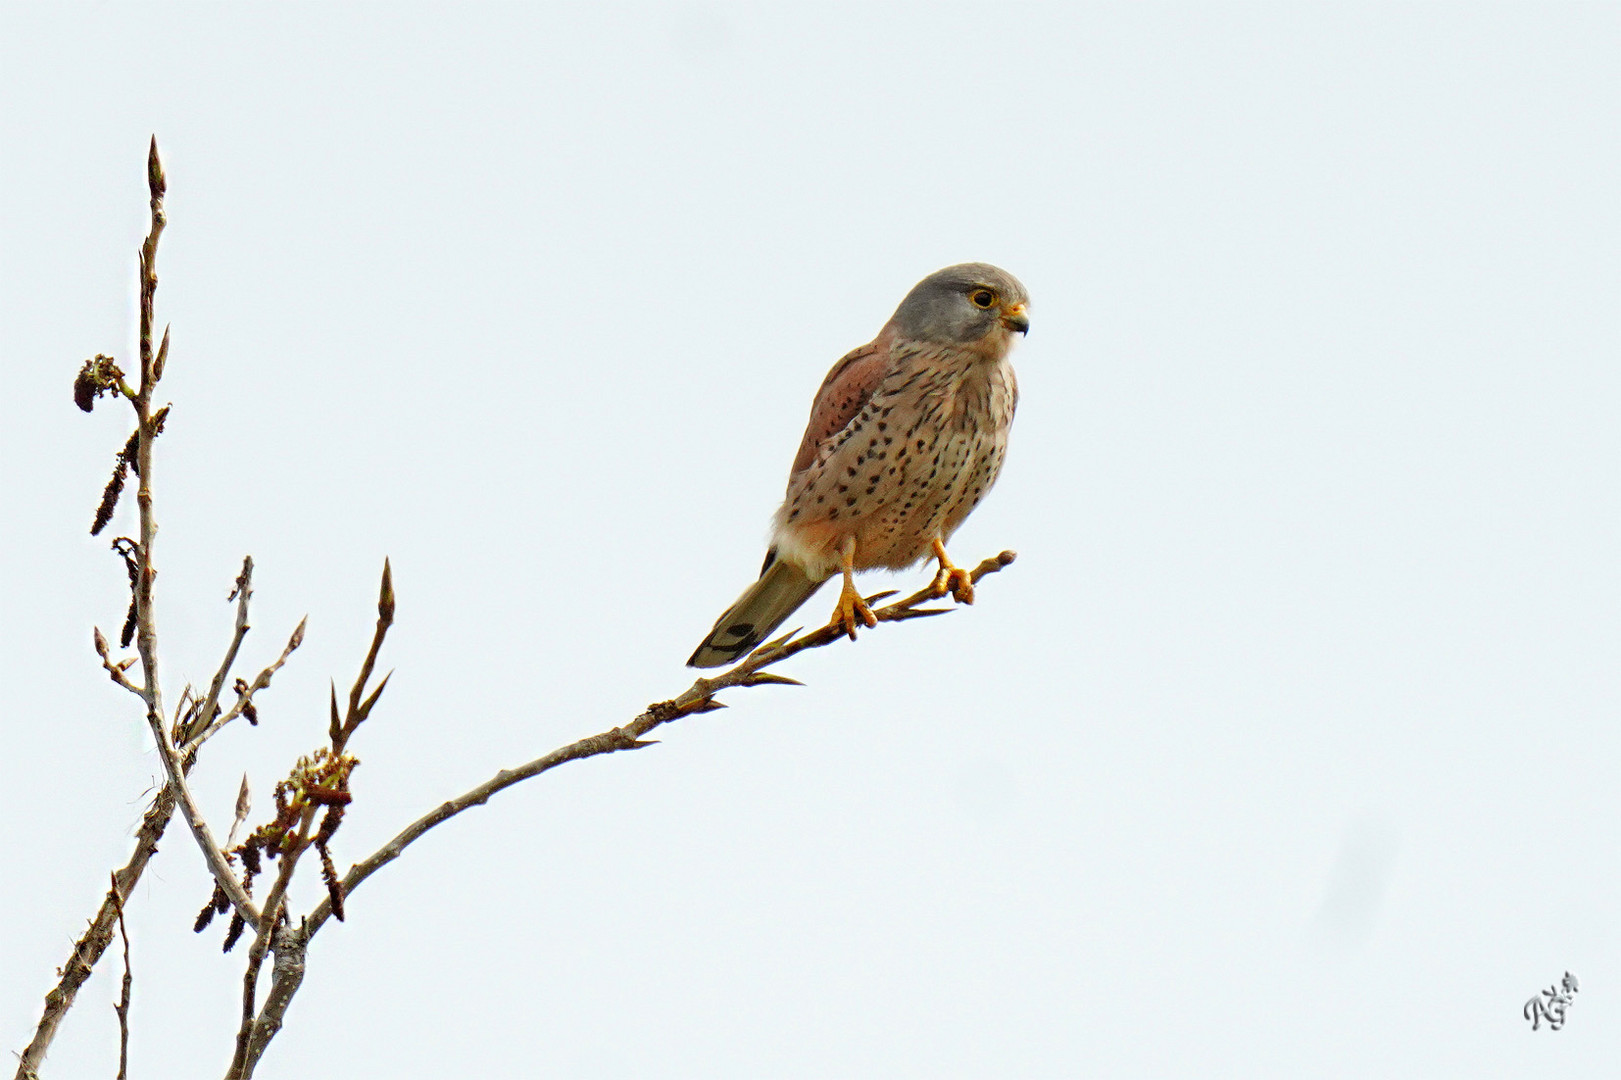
[[982, 298]]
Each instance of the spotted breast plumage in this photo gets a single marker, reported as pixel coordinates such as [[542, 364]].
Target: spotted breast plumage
[[906, 436]]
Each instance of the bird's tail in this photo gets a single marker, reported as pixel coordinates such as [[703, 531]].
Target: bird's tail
[[761, 609]]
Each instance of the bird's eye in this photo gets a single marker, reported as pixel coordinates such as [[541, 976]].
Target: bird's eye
[[982, 298]]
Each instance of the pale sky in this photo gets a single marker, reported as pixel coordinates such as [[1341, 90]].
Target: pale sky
[[1288, 748]]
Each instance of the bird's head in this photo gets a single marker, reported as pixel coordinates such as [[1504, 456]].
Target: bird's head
[[973, 304]]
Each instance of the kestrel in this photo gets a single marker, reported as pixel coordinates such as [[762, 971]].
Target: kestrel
[[906, 436]]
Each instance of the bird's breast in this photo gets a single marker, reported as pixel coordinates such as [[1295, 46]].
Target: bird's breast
[[907, 468]]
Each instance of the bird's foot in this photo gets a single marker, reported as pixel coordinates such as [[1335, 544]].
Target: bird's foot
[[956, 583], [951, 580], [852, 611]]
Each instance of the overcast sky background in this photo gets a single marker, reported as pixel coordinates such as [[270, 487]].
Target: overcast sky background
[[1289, 747]]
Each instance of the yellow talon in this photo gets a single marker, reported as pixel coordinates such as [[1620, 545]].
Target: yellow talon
[[951, 580], [851, 608], [852, 611]]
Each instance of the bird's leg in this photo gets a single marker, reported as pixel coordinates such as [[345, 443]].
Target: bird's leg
[[951, 579], [851, 608]]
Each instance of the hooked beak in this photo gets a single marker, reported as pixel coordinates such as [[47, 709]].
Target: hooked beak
[[1015, 319]]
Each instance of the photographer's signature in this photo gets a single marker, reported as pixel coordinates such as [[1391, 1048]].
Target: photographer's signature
[[1550, 1005]]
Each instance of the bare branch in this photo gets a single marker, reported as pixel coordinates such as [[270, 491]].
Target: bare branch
[[213, 855], [358, 711], [89, 948], [146, 634], [242, 594], [700, 697], [244, 697], [290, 944], [115, 671]]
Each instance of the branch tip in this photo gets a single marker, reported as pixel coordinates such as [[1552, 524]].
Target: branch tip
[[243, 580], [155, 181], [385, 596]]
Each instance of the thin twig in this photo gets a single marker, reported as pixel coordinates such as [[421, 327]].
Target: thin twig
[[122, 1008], [116, 671], [242, 594], [212, 852], [358, 710], [244, 694], [290, 944], [89, 948], [700, 697], [250, 1005]]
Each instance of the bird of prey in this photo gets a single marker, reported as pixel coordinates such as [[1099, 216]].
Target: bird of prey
[[906, 436]]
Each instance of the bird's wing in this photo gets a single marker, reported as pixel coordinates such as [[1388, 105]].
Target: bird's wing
[[847, 388]]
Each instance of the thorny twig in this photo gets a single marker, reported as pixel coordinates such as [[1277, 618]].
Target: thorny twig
[[698, 698], [290, 943]]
